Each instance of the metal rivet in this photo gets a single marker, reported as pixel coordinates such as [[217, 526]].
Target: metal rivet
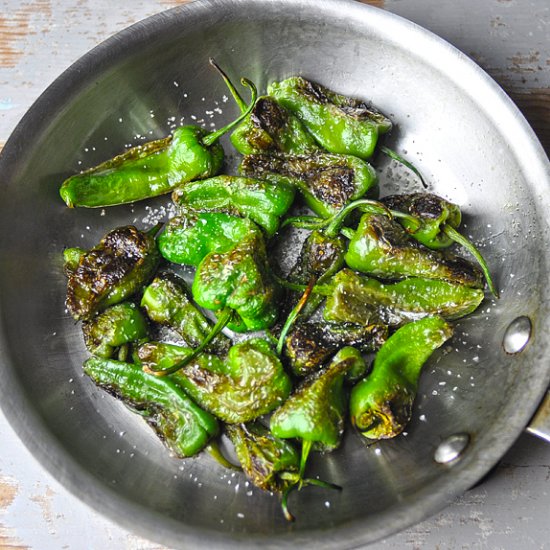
[[451, 449], [517, 335]]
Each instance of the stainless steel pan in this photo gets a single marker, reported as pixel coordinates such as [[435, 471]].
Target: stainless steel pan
[[452, 120]]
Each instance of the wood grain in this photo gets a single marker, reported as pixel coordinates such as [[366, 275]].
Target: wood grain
[[535, 106]]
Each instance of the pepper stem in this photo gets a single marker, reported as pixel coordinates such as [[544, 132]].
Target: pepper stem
[[348, 232], [305, 222], [294, 314], [325, 290], [222, 321], [209, 139], [306, 448], [333, 228], [395, 156], [452, 233], [236, 96], [415, 222]]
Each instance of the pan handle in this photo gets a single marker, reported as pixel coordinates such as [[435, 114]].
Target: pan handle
[[540, 423]]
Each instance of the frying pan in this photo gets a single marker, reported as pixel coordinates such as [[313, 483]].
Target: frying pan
[[473, 146]]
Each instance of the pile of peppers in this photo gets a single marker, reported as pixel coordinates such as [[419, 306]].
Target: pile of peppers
[[341, 338]]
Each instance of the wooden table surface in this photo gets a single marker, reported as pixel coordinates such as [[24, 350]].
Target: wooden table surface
[[508, 38]]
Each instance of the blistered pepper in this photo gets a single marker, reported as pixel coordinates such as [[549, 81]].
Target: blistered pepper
[[327, 181], [232, 267], [434, 222], [269, 127], [309, 345], [352, 298], [250, 382], [241, 280], [166, 301], [340, 124], [119, 266], [315, 412], [381, 403], [262, 201], [112, 329], [151, 169], [381, 247], [269, 462], [189, 238], [322, 253], [182, 425]]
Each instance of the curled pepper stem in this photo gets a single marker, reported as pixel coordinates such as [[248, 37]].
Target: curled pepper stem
[[460, 239], [298, 481], [367, 205], [210, 139], [222, 321], [396, 156], [294, 314], [236, 96]]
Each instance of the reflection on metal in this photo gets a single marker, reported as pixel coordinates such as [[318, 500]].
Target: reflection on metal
[[540, 424], [451, 448], [517, 335]]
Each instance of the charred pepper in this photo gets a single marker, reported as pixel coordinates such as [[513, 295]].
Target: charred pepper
[[314, 413], [340, 124], [232, 267], [434, 222], [266, 460], [166, 301], [381, 247], [118, 325], [250, 382], [309, 345], [262, 201], [118, 267], [364, 300], [183, 426], [152, 169], [269, 127], [327, 181], [381, 403]]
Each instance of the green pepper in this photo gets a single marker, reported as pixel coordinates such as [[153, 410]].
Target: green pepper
[[189, 238], [327, 181], [381, 247], [309, 345], [241, 280], [364, 300], [118, 267], [181, 424], [269, 127], [118, 325], [339, 124], [261, 201], [266, 460], [166, 301], [151, 169], [232, 267], [314, 413], [434, 222], [381, 403], [250, 382], [322, 253]]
